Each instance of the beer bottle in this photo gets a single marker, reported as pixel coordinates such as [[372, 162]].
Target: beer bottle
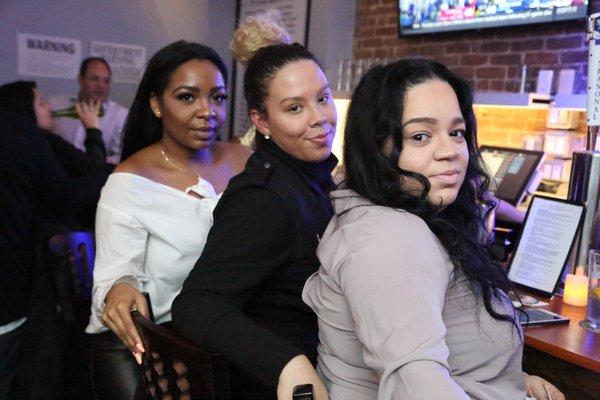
[[71, 112]]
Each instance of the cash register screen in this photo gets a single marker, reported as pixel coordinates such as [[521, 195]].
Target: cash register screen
[[511, 170]]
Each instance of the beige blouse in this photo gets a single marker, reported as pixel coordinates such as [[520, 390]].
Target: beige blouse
[[394, 324]]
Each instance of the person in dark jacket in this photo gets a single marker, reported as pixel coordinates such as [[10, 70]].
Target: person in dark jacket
[[24, 97], [30, 178], [243, 297]]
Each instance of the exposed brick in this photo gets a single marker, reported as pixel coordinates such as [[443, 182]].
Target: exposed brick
[[431, 50], [578, 56], [497, 85], [385, 31], [383, 53], [363, 53], [514, 32], [541, 58], [490, 72], [491, 47], [557, 43], [449, 60], [482, 85], [511, 86], [462, 48], [546, 30], [372, 42], [505, 59], [473, 59], [574, 27], [366, 32], [390, 42], [405, 51], [527, 45], [465, 72], [473, 54]]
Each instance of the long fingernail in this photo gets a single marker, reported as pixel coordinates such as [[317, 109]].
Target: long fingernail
[[138, 358], [140, 347]]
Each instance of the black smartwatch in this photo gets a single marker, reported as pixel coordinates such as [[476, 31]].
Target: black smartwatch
[[303, 392]]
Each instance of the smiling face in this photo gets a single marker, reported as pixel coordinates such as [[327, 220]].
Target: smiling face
[[43, 114], [433, 140], [300, 116], [193, 105], [94, 84]]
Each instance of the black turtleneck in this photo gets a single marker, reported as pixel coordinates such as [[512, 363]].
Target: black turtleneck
[[243, 297]]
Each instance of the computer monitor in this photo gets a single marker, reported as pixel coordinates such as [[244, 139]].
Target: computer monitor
[[513, 171]]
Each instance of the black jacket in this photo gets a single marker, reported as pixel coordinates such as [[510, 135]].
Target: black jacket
[[76, 162], [243, 297], [30, 178]]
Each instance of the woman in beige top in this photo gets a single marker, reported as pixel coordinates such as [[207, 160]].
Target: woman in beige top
[[410, 303]]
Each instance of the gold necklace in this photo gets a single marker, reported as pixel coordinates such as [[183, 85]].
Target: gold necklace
[[168, 160]]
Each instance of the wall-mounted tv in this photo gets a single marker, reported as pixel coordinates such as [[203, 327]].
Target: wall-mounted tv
[[428, 16]]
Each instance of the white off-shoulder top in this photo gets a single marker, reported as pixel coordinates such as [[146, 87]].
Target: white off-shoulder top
[[151, 232]]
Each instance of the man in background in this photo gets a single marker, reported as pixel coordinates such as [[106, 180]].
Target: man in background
[[94, 85]]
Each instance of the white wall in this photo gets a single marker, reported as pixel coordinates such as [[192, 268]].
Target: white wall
[[153, 24], [331, 33], [149, 23]]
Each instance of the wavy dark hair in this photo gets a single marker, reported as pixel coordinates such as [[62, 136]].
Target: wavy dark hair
[[372, 147], [18, 97], [142, 128], [263, 66]]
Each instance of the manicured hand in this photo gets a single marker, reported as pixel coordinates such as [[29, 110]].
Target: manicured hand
[[120, 300]]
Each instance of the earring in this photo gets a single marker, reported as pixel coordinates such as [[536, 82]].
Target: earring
[[267, 135], [157, 113]]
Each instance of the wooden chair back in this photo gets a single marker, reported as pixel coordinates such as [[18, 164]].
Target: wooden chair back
[[76, 252], [174, 368]]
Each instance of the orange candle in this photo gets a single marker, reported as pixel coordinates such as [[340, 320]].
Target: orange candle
[[576, 290]]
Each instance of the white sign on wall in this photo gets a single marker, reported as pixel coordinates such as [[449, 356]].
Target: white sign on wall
[[294, 15], [48, 56], [126, 61]]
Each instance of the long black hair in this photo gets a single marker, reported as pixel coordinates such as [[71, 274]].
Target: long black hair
[[18, 97], [372, 147], [142, 127]]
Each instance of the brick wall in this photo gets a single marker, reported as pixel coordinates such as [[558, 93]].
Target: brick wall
[[490, 59]]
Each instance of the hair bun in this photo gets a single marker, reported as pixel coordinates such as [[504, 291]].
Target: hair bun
[[258, 31]]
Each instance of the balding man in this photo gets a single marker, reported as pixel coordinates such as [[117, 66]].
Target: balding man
[[94, 85]]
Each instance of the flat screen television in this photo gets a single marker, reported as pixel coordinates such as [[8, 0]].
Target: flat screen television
[[429, 16]]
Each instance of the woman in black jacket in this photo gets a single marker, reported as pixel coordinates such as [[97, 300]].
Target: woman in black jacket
[[243, 297]]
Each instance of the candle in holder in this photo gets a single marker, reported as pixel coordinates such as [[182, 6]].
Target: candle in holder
[[576, 290]]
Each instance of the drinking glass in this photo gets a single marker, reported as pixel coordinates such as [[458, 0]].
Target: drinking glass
[[592, 318]]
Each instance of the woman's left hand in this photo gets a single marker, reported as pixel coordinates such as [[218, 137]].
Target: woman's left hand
[[540, 388]]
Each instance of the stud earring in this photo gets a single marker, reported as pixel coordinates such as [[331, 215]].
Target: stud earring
[[157, 113], [267, 135]]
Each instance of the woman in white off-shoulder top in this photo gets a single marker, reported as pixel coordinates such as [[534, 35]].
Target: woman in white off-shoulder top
[[156, 209]]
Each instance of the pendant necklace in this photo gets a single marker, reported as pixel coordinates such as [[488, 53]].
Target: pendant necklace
[[177, 167]]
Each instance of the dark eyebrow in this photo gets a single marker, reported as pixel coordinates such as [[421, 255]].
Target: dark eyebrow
[[325, 87], [195, 89], [432, 121]]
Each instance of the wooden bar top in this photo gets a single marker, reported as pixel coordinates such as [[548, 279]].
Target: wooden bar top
[[569, 342]]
